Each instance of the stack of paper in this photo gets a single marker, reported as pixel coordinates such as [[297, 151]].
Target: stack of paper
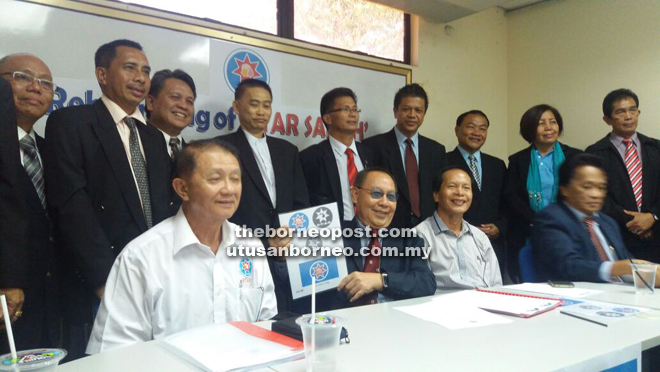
[[232, 346]]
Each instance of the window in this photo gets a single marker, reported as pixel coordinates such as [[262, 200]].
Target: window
[[354, 25]]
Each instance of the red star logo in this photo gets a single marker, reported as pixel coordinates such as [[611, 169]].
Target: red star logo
[[246, 265], [299, 221], [246, 69]]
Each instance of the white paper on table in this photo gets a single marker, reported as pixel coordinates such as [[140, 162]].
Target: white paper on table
[[504, 303], [453, 312], [328, 270], [547, 289], [603, 311], [223, 347]]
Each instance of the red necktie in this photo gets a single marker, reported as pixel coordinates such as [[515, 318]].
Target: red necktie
[[634, 167], [412, 175], [352, 169], [372, 265], [594, 239]]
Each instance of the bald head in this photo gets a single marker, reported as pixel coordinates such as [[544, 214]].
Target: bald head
[[31, 98]]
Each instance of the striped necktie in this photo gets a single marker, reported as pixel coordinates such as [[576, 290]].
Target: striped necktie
[[589, 221], [33, 166], [140, 169], [634, 167], [475, 171], [352, 169]]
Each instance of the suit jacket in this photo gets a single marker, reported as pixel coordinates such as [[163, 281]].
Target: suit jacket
[[14, 273], [432, 158], [486, 204], [256, 210], [563, 249], [619, 190], [515, 196], [91, 189], [408, 277], [322, 176]]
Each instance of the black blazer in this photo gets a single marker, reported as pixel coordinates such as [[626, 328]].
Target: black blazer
[[432, 158], [619, 190], [91, 189], [486, 204], [322, 176], [563, 249], [256, 209], [41, 306], [14, 273], [515, 196], [408, 277]]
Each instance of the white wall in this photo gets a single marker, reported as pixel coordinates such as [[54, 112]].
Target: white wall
[[571, 53]]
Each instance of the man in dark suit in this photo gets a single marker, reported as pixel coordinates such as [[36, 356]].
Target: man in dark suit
[[488, 174], [272, 178], [170, 107], [373, 278], [633, 172], [27, 275], [412, 158], [331, 166], [571, 240], [108, 175]]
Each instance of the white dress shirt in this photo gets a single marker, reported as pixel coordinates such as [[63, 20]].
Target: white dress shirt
[[339, 150], [167, 142], [459, 262], [21, 134], [165, 281], [261, 153], [118, 115]]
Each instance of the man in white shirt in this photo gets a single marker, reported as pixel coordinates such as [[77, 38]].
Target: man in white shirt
[[332, 165], [461, 256], [273, 180], [180, 274]]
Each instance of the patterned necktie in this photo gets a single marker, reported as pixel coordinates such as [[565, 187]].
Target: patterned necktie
[[174, 146], [352, 169], [372, 265], [475, 171], [594, 239], [140, 170], [634, 167], [412, 175], [33, 166]]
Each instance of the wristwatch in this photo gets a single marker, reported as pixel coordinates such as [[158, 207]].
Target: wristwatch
[[386, 281], [654, 217]]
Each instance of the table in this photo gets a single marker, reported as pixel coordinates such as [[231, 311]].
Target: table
[[389, 340]]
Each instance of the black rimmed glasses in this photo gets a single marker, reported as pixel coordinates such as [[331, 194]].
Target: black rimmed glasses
[[346, 110], [21, 78], [378, 193]]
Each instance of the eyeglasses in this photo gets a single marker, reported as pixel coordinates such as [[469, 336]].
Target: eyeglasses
[[24, 79], [346, 110], [378, 193]]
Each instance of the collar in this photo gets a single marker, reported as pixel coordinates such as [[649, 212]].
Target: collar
[[439, 225], [340, 148], [118, 114], [184, 236], [619, 140], [167, 137], [401, 139], [22, 133], [538, 153], [252, 140], [580, 216], [477, 155]]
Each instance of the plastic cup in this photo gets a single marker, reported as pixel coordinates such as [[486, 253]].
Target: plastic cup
[[327, 329], [644, 271], [34, 360]]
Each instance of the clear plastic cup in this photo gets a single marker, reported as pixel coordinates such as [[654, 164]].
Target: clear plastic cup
[[327, 329], [644, 272], [34, 360]]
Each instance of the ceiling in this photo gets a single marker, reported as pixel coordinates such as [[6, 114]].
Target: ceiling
[[444, 11]]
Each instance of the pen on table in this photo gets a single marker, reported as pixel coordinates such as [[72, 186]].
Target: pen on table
[[585, 319]]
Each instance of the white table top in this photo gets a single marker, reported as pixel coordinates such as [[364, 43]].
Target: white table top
[[389, 340]]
